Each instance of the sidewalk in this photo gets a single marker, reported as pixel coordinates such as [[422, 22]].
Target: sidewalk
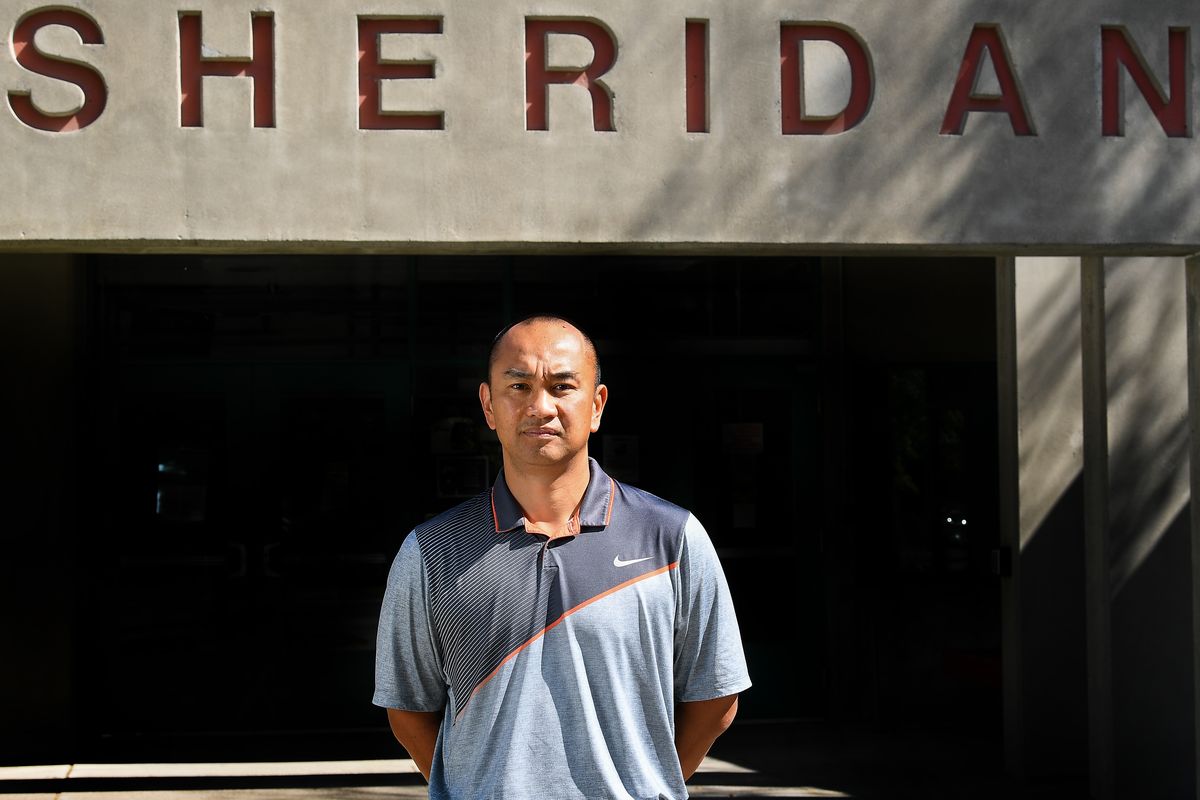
[[110, 781], [777, 760]]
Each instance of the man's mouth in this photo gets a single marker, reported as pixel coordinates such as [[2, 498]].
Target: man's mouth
[[539, 432]]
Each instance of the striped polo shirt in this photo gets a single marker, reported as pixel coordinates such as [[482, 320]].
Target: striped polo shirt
[[557, 663]]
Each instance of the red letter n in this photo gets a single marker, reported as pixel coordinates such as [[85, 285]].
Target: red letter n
[[1172, 111], [95, 93], [372, 69], [964, 98], [539, 75], [796, 119], [194, 66]]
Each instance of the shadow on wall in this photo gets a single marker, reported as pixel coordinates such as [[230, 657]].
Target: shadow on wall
[[1148, 526], [1152, 671], [1151, 573], [1054, 655], [1109, 189], [1148, 425]]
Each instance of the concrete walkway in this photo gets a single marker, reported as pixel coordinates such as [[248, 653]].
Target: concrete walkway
[[110, 781], [103, 781], [790, 760]]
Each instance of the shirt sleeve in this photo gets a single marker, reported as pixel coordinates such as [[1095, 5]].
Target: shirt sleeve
[[709, 661], [408, 664]]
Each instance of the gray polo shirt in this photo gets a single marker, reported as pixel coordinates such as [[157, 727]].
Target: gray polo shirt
[[557, 663]]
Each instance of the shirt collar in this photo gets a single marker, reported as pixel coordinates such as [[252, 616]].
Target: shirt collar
[[594, 512]]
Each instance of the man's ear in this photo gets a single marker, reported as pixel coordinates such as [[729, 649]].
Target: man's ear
[[598, 401], [485, 402]]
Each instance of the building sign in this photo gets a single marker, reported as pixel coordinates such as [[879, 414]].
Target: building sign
[[684, 124]]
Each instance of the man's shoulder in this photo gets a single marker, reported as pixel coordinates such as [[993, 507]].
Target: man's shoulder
[[649, 507], [469, 518]]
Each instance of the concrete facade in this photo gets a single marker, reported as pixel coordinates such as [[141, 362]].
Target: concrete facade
[[1042, 516], [1014, 154], [1150, 575], [1099, 625], [1102, 607]]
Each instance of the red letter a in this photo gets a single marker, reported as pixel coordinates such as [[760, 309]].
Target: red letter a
[[964, 98]]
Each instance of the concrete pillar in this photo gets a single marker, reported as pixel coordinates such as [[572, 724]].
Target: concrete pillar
[[1102, 612], [1009, 474], [1096, 550], [1151, 577], [40, 304], [1193, 371], [1041, 496]]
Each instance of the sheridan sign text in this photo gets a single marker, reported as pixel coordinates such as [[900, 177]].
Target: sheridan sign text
[[987, 59]]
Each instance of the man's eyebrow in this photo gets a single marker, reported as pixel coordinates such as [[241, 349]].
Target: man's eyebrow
[[568, 375]]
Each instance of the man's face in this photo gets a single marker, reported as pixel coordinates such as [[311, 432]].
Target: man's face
[[542, 399]]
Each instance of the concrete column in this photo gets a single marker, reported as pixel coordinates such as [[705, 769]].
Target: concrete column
[[1103, 691], [1193, 371], [1009, 505], [1150, 572], [1009, 489], [1041, 516], [1101, 767]]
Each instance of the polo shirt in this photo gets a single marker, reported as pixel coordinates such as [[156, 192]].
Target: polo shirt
[[557, 663]]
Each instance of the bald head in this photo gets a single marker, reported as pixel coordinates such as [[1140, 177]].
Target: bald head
[[544, 319]]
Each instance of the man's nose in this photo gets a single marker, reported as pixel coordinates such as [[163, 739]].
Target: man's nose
[[541, 404]]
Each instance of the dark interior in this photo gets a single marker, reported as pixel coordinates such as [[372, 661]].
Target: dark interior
[[260, 433]]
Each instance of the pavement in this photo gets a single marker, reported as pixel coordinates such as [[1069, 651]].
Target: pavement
[[773, 760]]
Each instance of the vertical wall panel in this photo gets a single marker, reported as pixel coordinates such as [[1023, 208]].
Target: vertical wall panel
[[1150, 549], [1046, 704]]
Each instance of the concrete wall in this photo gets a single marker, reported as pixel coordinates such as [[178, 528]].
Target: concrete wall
[[40, 300], [1100, 679], [1150, 569], [1045, 664], [138, 176]]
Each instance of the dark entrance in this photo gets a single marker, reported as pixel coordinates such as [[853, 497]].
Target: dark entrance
[[267, 429]]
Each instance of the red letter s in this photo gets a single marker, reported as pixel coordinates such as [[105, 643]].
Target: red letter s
[[95, 93]]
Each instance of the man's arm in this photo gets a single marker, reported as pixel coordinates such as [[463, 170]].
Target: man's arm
[[417, 731], [697, 726]]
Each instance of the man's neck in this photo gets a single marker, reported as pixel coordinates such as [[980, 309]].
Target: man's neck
[[548, 496]]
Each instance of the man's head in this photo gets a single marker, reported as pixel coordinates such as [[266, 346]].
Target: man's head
[[542, 395], [549, 318]]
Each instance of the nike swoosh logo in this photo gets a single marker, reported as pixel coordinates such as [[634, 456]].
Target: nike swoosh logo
[[617, 562]]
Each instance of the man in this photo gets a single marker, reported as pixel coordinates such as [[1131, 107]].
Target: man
[[561, 635]]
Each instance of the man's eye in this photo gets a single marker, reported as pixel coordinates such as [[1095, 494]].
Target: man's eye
[[520, 387], [563, 387]]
